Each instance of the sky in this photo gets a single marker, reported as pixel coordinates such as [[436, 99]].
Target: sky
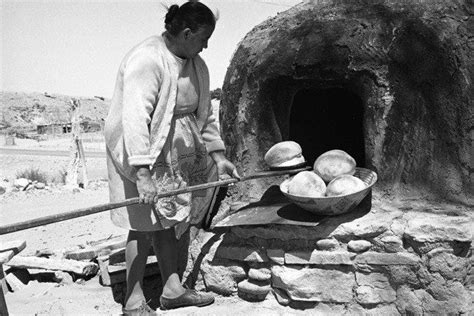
[[74, 47]]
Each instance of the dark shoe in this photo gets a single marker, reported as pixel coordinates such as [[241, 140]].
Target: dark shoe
[[189, 298], [142, 310]]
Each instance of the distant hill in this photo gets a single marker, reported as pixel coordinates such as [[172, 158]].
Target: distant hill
[[24, 111]]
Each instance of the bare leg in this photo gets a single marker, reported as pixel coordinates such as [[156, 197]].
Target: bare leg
[[165, 245], [136, 254], [183, 251]]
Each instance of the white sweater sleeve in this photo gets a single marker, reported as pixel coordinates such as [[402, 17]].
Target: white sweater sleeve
[[211, 132], [141, 82]]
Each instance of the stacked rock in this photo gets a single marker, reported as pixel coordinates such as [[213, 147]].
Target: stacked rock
[[257, 286]]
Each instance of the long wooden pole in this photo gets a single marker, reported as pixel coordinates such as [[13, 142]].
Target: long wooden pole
[[10, 228]]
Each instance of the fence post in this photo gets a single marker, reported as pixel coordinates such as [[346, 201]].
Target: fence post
[[77, 157]]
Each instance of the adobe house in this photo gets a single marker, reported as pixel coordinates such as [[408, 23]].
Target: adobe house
[[53, 128]]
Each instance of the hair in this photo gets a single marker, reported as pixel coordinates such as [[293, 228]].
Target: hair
[[192, 15]]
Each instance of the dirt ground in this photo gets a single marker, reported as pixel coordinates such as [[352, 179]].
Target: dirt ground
[[87, 297], [79, 297]]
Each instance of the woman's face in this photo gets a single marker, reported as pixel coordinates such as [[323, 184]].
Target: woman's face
[[195, 42]]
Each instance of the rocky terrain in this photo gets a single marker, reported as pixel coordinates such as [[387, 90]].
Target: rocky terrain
[[22, 111]]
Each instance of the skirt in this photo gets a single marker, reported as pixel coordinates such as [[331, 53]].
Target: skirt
[[183, 162]]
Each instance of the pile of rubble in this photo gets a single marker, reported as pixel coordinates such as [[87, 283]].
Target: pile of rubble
[[104, 258], [23, 184]]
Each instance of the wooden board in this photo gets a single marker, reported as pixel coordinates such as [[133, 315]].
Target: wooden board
[[118, 255], [104, 278], [78, 267], [284, 213], [10, 248], [14, 283], [6, 256], [3, 290], [119, 274], [93, 252]]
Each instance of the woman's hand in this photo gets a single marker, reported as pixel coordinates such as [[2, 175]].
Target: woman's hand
[[224, 166], [145, 186]]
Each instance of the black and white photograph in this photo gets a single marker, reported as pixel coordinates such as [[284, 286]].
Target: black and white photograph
[[237, 157]]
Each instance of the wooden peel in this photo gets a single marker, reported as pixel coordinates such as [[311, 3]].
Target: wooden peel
[[10, 228]]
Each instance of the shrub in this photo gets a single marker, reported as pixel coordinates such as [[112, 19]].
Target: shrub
[[33, 174], [62, 175]]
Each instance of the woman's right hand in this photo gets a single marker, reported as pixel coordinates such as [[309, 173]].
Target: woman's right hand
[[145, 186]]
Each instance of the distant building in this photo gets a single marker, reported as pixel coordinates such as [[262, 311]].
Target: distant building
[[55, 128], [89, 127]]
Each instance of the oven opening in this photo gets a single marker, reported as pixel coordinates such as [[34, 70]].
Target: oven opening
[[325, 119]]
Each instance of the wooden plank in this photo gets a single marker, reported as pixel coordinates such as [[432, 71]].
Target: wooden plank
[[22, 274], [108, 239], [78, 267], [104, 278], [3, 303], [119, 273], [3, 281], [261, 213], [118, 255], [93, 252], [115, 263], [14, 283], [121, 266], [6, 256], [15, 245]]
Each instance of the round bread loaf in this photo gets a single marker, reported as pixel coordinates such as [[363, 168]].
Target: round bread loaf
[[284, 154], [345, 184], [308, 184], [334, 163]]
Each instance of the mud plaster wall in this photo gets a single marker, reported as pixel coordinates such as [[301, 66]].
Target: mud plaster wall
[[410, 63]]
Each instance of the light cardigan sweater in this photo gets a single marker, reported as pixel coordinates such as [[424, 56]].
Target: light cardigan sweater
[[143, 104]]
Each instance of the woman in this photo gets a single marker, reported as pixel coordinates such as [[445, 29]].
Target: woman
[[161, 134]]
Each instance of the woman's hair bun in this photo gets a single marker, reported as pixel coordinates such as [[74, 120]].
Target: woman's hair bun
[[172, 11]]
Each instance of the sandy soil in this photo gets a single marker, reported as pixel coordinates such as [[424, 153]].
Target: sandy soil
[[52, 166]]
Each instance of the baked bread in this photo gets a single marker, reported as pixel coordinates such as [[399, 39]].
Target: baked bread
[[284, 154], [334, 163], [307, 184], [345, 184]]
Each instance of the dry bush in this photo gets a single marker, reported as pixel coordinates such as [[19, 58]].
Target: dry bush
[[33, 174], [61, 176]]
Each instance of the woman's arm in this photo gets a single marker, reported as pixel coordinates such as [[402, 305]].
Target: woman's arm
[[224, 166], [145, 186], [140, 90]]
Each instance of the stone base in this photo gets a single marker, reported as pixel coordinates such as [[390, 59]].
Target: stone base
[[407, 257]]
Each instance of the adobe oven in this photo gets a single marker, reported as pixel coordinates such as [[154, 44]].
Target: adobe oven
[[390, 83]]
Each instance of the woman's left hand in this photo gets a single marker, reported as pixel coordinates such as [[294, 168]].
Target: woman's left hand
[[225, 168]]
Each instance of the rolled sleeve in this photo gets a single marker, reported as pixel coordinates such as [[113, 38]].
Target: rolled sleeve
[[140, 91]]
